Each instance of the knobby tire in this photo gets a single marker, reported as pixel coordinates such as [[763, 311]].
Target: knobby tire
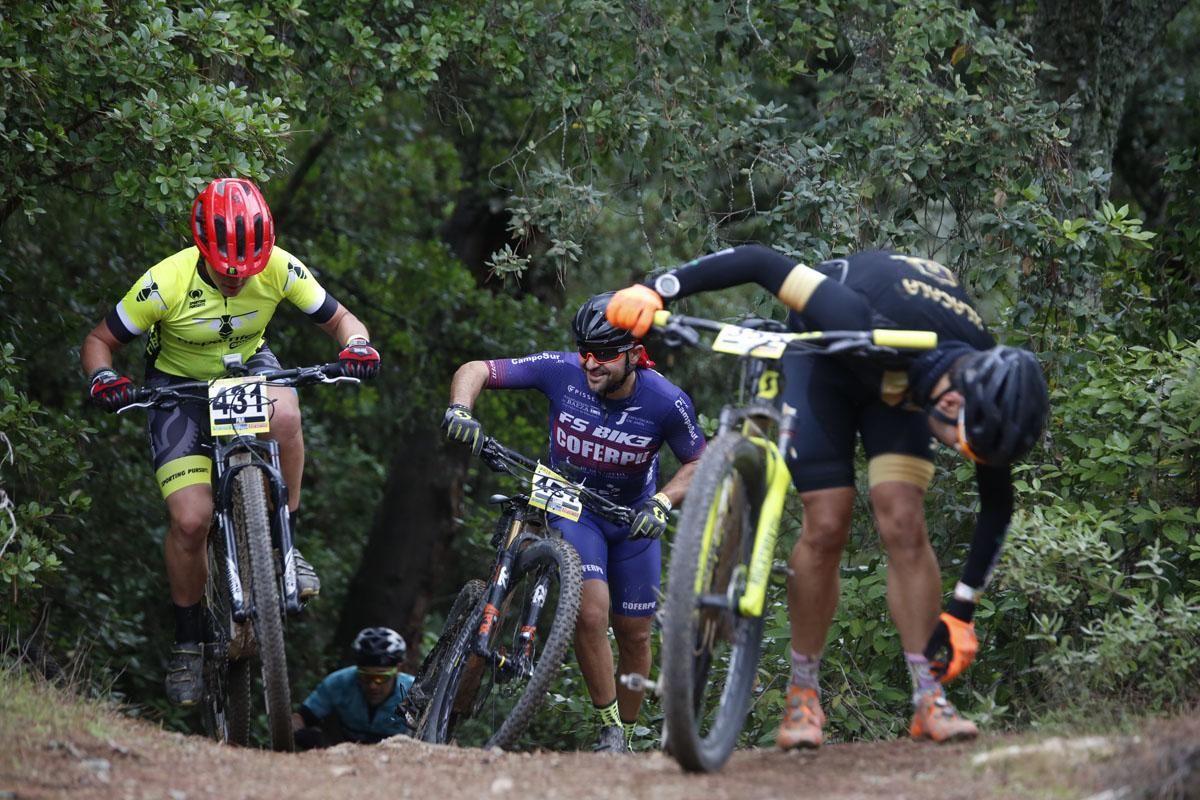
[[226, 700], [459, 694], [731, 473], [434, 663], [252, 521]]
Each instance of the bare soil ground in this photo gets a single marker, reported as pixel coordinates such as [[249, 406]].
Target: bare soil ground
[[111, 756]]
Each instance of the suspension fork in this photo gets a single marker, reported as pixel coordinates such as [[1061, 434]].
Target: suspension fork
[[750, 604], [498, 586], [230, 459], [767, 533]]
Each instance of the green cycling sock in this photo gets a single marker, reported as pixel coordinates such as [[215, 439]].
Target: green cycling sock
[[609, 714]]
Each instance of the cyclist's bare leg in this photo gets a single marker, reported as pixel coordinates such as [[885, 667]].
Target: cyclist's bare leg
[[633, 655], [191, 510], [914, 580], [592, 648], [814, 584], [285, 429]]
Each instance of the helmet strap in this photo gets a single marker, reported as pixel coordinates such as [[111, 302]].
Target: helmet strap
[[938, 414]]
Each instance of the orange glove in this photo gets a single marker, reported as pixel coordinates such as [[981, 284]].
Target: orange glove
[[633, 309], [951, 648]]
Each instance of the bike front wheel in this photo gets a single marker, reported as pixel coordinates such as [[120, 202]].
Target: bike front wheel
[[225, 704], [416, 703], [488, 698], [710, 650], [252, 522]]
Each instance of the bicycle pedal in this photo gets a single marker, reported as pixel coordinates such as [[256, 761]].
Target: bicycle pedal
[[721, 601], [636, 682]]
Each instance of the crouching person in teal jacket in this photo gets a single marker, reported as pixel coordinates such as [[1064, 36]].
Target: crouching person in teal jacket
[[362, 699]]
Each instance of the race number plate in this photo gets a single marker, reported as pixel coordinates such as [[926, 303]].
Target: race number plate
[[550, 491], [238, 406], [748, 342]]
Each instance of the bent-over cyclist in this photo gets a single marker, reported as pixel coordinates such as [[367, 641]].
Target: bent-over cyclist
[[362, 699], [610, 413], [989, 402], [199, 305]]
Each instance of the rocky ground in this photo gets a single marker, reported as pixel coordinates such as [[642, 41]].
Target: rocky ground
[[117, 757]]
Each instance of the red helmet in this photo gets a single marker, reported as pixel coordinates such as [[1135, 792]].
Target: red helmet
[[233, 228]]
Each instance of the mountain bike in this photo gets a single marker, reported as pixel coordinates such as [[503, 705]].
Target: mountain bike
[[722, 555], [498, 666], [251, 587]]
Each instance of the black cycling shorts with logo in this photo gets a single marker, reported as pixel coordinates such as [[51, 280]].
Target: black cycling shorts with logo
[[180, 444], [834, 403]]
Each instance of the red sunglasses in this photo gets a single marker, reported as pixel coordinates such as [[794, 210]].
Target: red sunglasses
[[605, 355]]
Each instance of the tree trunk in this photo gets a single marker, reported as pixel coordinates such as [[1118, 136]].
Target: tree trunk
[[1098, 48], [406, 563], [405, 570]]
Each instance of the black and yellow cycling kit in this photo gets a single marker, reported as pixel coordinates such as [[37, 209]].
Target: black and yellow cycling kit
[[191, 327], [837, 398]]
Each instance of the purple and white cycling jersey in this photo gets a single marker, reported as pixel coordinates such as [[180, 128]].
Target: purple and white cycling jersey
[[611, 444]]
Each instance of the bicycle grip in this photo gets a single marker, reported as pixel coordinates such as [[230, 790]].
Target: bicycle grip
[[661, 317], [904, 340]]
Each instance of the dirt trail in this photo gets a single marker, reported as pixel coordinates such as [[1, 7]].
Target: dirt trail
[[132, 759]]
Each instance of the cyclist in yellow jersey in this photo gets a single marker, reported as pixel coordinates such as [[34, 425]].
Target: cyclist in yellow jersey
[[198, 306]]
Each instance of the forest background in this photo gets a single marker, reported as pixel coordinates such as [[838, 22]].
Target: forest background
[[463, 174]]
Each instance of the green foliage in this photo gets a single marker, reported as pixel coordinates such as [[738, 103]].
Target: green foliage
[[41, 479], [1103, 567], [609, 140]]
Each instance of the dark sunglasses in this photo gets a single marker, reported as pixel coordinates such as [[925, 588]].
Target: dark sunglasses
[[604, 355]]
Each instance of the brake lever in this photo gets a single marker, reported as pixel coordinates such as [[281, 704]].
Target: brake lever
[[676, 336]]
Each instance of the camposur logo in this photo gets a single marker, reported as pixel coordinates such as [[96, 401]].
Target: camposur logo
[[536, 357]]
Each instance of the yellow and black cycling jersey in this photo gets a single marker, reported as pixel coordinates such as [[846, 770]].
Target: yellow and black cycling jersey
[[191, 325]]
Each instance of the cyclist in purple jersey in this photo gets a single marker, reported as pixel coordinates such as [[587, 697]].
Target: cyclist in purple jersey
[[609, 416]]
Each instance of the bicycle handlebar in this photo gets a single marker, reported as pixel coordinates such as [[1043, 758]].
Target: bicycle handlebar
[[502, 459], [152, 396], [678, 330]]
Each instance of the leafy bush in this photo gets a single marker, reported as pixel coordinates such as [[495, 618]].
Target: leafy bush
[[39, 451], [1104, 559]]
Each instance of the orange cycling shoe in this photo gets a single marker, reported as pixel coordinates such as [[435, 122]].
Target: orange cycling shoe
[[936, 719], [802, 721]]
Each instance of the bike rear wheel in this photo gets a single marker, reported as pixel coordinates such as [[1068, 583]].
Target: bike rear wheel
[[484, 701], [710, 652], [262, 592]]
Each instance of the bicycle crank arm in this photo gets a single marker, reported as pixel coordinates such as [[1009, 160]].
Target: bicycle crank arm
[[721, 601]]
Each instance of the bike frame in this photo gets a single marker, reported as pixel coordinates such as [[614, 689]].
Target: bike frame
[[513, 525]]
